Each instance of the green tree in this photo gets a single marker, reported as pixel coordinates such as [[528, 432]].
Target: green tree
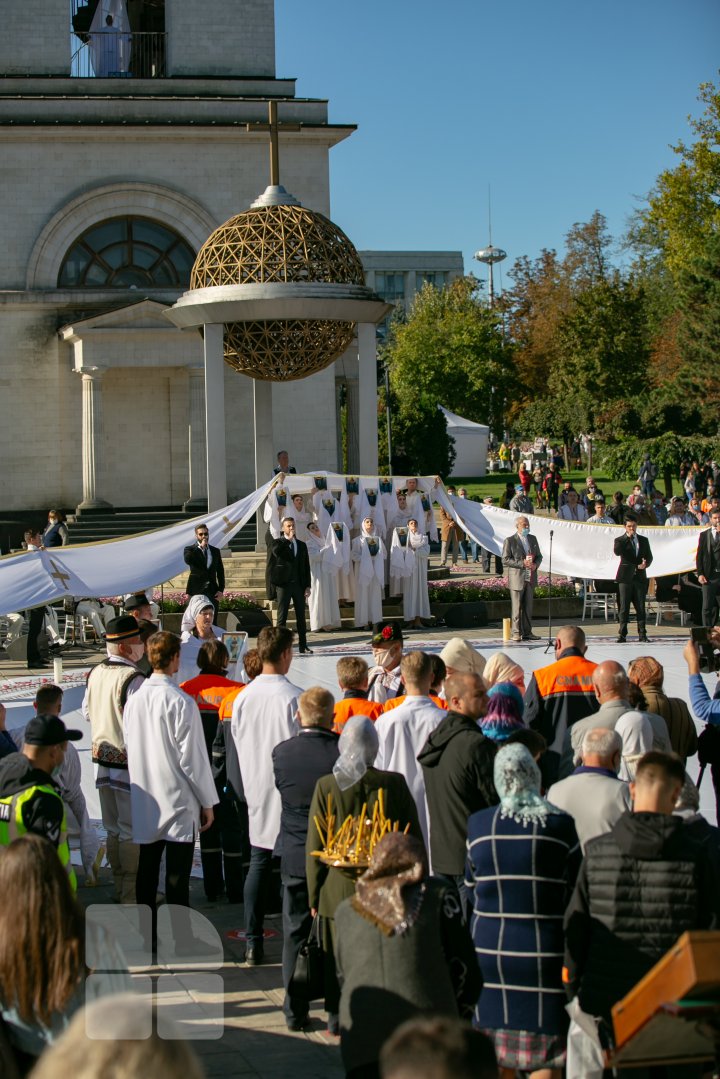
[[683, 208], [560, 417], [603, 350], [699, 329], [450, 351], [623, 458]]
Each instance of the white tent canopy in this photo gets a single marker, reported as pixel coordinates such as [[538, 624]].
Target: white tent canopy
[[471, 444]]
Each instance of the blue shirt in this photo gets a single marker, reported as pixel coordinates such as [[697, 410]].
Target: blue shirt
[[703, 706]]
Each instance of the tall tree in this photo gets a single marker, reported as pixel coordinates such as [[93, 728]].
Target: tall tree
[[684, 205], [450, 351], [699, 329]]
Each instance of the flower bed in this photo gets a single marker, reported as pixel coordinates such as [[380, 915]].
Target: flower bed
[[173, 602], [494, 588]]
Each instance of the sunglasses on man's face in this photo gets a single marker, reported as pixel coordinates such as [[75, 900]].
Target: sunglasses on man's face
[[201, 534]]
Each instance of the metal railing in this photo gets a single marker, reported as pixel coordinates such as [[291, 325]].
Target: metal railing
[[116, 54]]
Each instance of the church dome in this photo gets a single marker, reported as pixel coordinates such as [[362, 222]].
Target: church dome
[[279, 242]]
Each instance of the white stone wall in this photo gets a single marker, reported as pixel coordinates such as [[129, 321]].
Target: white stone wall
[[35, 38], [220, 37], [40, 410], [222, 172]]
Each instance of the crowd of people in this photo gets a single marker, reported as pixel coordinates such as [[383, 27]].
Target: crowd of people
[[519, 804]]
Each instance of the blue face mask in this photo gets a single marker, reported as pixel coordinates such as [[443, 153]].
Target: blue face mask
[[526, 531]]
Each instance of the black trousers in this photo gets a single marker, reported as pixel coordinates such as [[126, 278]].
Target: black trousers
[[634, 592], [296, 921], [178, 863], [35, 624], [710, 599], [294, 593], [222, 848]]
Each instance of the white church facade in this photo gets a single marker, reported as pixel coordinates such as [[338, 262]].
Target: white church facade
[[111, 183]]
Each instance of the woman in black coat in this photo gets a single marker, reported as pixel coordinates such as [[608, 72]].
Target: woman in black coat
[[402, 950]]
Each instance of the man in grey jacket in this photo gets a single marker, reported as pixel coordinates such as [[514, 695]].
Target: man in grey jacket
[[521, 557], [593, 795]]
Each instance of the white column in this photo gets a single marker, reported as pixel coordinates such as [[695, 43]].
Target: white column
[[367, 400], [263, 424], [197, 451], [93, 438], [215, 416], [352, 401]]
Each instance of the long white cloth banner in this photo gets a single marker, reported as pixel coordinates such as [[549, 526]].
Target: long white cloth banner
[[115, 566], [578, 549]]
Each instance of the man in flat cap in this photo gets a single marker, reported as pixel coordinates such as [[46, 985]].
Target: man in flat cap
[[109, 686], [384, 680], [30, 801]]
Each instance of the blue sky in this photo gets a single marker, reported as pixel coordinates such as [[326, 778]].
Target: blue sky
[[562, 108]]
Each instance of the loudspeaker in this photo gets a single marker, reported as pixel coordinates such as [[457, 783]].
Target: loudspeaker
[[466, 615], [251, 621]]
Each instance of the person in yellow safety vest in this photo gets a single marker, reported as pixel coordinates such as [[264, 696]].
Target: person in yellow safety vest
[[29, 799]]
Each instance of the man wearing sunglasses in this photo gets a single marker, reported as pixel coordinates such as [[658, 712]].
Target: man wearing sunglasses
[[207, 573]]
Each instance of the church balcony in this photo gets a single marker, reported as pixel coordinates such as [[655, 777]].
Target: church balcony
[[115, 54]]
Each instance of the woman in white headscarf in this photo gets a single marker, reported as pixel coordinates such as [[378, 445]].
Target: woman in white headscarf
[[196, 628], [500, 668], [368, 555], [460, 657], [353, 787], [523, 857], [323, 602], [636, 732], [409, 554]]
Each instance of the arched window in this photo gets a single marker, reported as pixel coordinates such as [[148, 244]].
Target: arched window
[[126, 251]]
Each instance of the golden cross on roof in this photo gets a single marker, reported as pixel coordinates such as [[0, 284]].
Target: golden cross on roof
[[58, 575], [272, 126]]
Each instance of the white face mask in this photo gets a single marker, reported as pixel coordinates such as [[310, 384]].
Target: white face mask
[[137, 651], [384, 659]]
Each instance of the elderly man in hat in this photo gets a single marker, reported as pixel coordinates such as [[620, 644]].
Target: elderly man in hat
[[384, 680], [109, 686], [30, 801]]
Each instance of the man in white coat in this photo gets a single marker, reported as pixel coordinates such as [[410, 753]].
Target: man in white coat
[[264, 714], [172, 791], [403, 731]]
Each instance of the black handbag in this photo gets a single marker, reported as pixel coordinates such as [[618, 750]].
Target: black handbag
[[708, 748], [308, 978]]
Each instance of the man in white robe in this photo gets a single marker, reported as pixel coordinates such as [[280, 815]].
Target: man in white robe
[[172, 791], [368, 554], [323, 599], [419, 503], [264, 715], [403, 731]]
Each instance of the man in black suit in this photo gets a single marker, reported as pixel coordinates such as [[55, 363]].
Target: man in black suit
[[707, 563], [207, 573], [298, 763], [290, 573], [635, 557]]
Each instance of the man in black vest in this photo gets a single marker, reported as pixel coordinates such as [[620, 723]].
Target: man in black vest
[[289, 571], [708, 569], [635, 557]]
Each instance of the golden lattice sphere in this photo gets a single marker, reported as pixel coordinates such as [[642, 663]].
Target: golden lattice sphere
[[282, 244]]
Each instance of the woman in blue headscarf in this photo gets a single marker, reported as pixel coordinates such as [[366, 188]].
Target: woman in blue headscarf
[[523, 857]]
